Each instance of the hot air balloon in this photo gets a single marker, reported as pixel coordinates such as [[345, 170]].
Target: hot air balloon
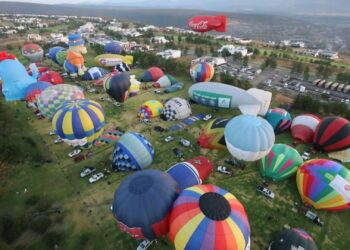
[[303, 127], [264, 97], [61, 57], [142, 204], [221, 95], [15, 78], [94, 73], [202, 72], [152, 75], [282, 162], [117, 86], [208, 23], [53, 97], [132, 152], [176, 109], [122, 67], [208, 217], [51, 76], [324, 184], [79, 122], [279, 119], [332, 134], [150, 109], [212, 135], [113, 48], [249, 137], [173, 88], [53, 54], [295, 238], [191, 172], [111, 60], [134, 87], [33, 52], [34, 90], [165, 81], [36, 69]]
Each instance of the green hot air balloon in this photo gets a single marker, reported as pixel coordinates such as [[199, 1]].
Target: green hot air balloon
[[282, 162]]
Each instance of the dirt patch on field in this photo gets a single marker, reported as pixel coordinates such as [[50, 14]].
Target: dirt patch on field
[[283, 99]]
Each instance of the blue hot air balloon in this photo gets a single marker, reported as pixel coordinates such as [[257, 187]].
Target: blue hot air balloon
[[113, 48], [53, 53]]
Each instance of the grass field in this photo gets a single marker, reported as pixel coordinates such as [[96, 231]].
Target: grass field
[[85, 221]]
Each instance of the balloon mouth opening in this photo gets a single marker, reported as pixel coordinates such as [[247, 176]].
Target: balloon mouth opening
[[214, 206], [141, 184]]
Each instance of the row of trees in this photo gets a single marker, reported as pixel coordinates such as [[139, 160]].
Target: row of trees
[[300, 68], [228, 79], [343, 77]]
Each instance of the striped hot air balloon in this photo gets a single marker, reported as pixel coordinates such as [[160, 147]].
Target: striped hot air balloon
[[303, 127], [208, 217], [295, 238], [150, 109], [79, 122], [212, 135], [165, 81], [202, 72], [279, 119], [282, 162], [324, 184], [152, 75], [33, 91], [332, 134]]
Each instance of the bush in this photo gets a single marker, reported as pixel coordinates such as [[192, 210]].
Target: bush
[[32, 200], [40, 224], [12, 227], [43, 204], [53, 238]]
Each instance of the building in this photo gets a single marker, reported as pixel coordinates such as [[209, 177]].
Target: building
[[159, 40], [215, 61], [170, 53], [297, 44], [34, 37], [131, 33], [20, 27], [285, 43], [11, 32], [87, 28], [233, 49], [327, 54], [223, 37], [146, 28], [57, 38]]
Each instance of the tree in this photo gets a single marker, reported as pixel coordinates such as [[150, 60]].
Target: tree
[[225, 53], [179, 39], [237, 56], [199, 51], [245, 61], [256, 52], [306, 73], [265, 53]]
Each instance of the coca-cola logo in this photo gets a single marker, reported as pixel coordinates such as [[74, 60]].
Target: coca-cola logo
[[202, 25], [347, 188]]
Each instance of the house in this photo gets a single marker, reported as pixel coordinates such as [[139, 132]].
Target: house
[[87, 28], [223, 37], [20, 27], [159, 40], [149, 27], [58, 37], [233, 49], [42, 25], [170, 53], [10, 32], [327, 54], [285, 43], [34, 37], [298, 44], [245, 41], [131, 33], [215, 61]]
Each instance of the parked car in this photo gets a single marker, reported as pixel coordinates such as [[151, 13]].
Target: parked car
[[312, 216], [92, 90], [305, 156], [169, 138], [265, 191], [96, 177], [185, 143], [157, 91], [224, 170], [233, 162], [145, 244], [178, 153], [117, 104], [58, 140], [207, 117], [86, 171], [52, 132], [74, 153]]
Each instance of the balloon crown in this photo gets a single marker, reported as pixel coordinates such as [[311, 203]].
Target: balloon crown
[[75, 39], [4, 56]]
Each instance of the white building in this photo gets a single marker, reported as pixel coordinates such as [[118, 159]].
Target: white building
[[170, 53], [42, 25], [34, 37], [20, 27], [87, 28], [11, 32], [285, 43], [327, 54], [233, 49], [149, 27], [223, 37], [298, 44], [58, 37], [215, 61], [131, 33], [245, 41], [159, 40]]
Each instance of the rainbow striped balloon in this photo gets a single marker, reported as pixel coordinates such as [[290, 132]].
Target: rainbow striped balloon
[[202, 72], [79, 122], [324, 184], [208, 217]]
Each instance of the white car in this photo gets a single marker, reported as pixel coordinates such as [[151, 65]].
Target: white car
[[224, 170], [207, 117], [74, 153], [96, 177], [86, 171], [265, 191], [58, 140], [117, 104], [92, 90], [169, 138], [185, 143], [52, 132], [157, 91], [144, 245]]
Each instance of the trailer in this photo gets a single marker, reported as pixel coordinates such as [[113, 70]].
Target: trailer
[[316, 81], [334, 86], [346, 88], [320, 84], [328, 84], [341, 87]]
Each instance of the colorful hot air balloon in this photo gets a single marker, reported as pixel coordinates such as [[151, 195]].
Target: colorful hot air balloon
[[53, 53], [79, 122], [279, 119], [152, 75], [53, 97], [202, 72], [324, 184], [34, 90], [332, 134], [61, 57], [282, 162], [122, 67], [303, 127], [94, 73], [113, 48], [52, 77], [134, 86], [142, 204], [117, 86], [294, 238], [132, 152], [36, 69], [208, 23], [191, 172], [176, 109], [165, 81], [33, 52], [249, 137], [208, 217], [150, 109], [212, 135]]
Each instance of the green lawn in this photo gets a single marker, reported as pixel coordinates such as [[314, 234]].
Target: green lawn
[[85, 221]]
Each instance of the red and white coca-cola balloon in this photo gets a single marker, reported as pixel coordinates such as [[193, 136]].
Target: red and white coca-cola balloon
[[207, 23]]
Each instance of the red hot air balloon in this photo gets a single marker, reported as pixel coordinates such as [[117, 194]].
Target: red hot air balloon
[[207, 23]]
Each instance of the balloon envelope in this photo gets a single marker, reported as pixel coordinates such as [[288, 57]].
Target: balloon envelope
[[202, 72], [303, 127], [165, 81], [152, 75], [176, 109], [150, 109], [142, 203], [248, 137], [212, 135], [52, 77], [33, 52], [53, 53], [206, 216], [282, 162], [34, 90], [294, 238], [113, 48], [279, 119], [117, 86], [94, 73], [324, 184], [208, 23]]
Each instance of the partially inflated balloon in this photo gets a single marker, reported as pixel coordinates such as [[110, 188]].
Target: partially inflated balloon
[[294, 238], [208, 23], [117, 86], [279, 119], [152, 75], [303, 127], [176, 109], [150, 109], [34, 90], [202, 72], [33, 52], [212, 135]]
